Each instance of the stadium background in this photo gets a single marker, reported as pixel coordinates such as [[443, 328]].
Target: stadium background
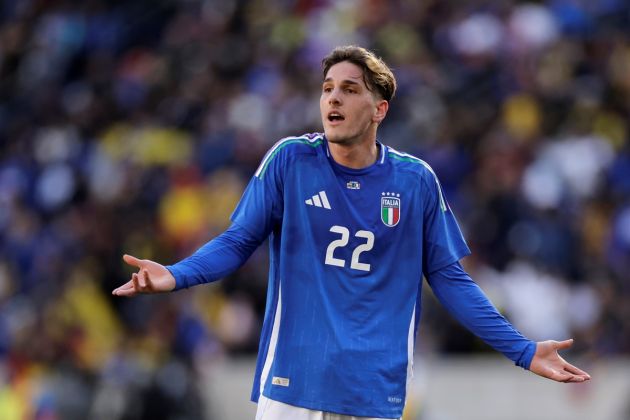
[[133, 126]]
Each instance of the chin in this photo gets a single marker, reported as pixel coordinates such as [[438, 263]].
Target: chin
[[336, 137]]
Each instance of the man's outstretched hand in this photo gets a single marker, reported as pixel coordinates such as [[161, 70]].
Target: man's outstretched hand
[[548, 363], [150, 278]]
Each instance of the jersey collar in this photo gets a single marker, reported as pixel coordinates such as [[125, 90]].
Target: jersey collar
[[382, 152]]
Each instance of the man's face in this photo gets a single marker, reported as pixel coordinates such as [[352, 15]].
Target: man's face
[[349, 110]]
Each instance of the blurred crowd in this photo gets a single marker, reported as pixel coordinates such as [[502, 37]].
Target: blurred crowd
[[133, 127]]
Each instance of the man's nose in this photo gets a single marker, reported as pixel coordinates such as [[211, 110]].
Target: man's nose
[[334, 99]]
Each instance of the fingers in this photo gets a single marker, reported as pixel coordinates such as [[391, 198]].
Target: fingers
[[145, 280], [576, 371], [132, 287], [136, 282], [126, 289], [569, 374], [131, 260], [141, 282], [549, 364], [563, 345], [563, 376], [556, 375], [576, 374], [574, 378]]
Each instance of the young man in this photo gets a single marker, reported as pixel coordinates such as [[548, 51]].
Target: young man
[[353, 227]]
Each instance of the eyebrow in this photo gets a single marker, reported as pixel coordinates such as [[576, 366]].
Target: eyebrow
[[346, 81]]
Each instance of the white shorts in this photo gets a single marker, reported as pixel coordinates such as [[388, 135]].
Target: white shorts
[[275, 410]]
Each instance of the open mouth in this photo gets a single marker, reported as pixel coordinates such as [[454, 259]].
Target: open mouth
[[335, 116]]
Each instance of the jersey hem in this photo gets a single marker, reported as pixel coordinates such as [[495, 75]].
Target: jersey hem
[[337, 409]]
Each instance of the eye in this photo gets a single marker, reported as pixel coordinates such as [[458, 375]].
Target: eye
[[349, 90], [327, 89]]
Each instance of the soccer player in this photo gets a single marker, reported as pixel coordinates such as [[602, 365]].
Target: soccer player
[[353, 225]]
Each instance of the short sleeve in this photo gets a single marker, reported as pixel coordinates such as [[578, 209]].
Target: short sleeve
[[443, 242], [261, 205]]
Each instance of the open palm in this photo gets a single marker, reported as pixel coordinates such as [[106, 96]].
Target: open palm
[[548, 363], [151, 277]]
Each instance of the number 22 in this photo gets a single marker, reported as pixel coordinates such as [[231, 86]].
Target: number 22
[[343, 241]]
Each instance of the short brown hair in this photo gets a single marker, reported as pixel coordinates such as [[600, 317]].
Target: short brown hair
[[376, 74]]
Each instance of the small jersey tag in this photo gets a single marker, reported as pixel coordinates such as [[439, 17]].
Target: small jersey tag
[[395, 400], [276, 380], [353, 185]]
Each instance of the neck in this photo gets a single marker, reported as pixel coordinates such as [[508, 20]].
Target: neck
[[355, 155]]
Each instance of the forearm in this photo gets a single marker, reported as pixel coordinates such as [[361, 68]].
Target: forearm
[[216, 259], [463, 298]]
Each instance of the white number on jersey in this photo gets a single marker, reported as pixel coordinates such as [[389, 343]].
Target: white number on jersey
[[343, 241]]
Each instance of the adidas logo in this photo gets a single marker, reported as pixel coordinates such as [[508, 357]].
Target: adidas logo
[[319, 200]]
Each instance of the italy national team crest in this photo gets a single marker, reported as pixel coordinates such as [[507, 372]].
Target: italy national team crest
[[390, 208]]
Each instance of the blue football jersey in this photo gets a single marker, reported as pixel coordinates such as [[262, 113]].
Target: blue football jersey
[[348, 248]]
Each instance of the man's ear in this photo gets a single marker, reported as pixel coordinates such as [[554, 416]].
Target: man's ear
[[381, 110]]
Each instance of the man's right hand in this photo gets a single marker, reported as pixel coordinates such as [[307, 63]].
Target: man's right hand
[[150, 278]]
